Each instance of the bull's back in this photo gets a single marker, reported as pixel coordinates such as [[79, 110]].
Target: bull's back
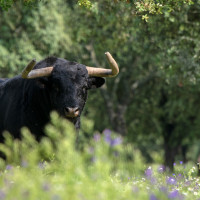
[[2, 80], [10, 115]]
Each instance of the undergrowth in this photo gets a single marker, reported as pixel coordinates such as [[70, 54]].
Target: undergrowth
[[102, 168]]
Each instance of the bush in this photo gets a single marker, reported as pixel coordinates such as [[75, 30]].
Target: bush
[[103, 168]]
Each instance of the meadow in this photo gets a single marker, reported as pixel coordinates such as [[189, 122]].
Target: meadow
[[103, 167]]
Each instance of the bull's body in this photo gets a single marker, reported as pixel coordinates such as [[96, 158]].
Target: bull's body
[[28, 102]]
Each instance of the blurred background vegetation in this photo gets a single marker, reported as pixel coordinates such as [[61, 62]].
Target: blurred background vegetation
[[154, 102]]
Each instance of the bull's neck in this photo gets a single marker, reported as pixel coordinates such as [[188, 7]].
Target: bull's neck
[[37, 105]]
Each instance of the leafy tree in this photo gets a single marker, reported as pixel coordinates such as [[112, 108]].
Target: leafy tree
[[159, 72], [6, 4], [154, 100], [28, 34], [144, 7]]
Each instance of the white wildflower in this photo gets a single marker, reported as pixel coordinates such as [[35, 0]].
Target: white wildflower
[[185, 193], [195, 193]]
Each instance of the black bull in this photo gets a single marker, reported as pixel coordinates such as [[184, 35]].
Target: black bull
[[28, 102]]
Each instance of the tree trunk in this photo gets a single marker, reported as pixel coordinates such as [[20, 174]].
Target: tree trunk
[[170, 153], [120, 126], [184, 149], [170, 150], [116, 113]]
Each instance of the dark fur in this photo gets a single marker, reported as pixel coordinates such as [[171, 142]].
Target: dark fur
[[29, 102]]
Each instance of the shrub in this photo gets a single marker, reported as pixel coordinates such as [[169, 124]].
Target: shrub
[[103, 168]]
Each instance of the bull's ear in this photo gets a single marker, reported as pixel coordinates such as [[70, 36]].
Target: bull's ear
[[95, 82]]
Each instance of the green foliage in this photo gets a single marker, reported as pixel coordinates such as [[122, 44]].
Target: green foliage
[[139, 7], [167, 46], [55, 169], [85, 3], [6, 4], [144, 7], [28, 34], [67, 172]]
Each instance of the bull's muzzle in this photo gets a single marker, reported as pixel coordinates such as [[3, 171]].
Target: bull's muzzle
[[71, 112]]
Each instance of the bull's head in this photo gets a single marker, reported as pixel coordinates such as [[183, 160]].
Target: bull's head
[[68, 82]]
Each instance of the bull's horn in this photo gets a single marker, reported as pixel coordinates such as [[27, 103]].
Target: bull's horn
[[28, 73], [28, 68], [101, 72], [36, 73]]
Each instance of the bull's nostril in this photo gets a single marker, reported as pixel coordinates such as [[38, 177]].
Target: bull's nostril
[[76, 109], [67, 109], [71, 112]]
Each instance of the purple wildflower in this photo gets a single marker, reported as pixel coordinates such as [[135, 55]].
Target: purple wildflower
[[148, 172], [163, 189], [116, 141], [181, 162], [108, 139], [97, 137], [161, 169], [41, 165], [46, 187], [107, 132], [9, 167], [174, 164], [196, 187], [187, 183], [2, 195], [107, 136], [174, 194], [179, 177], [24, 163], [152, 197], [171, 181], [153, 180]]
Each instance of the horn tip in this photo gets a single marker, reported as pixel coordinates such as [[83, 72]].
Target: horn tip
[[33, 60]]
